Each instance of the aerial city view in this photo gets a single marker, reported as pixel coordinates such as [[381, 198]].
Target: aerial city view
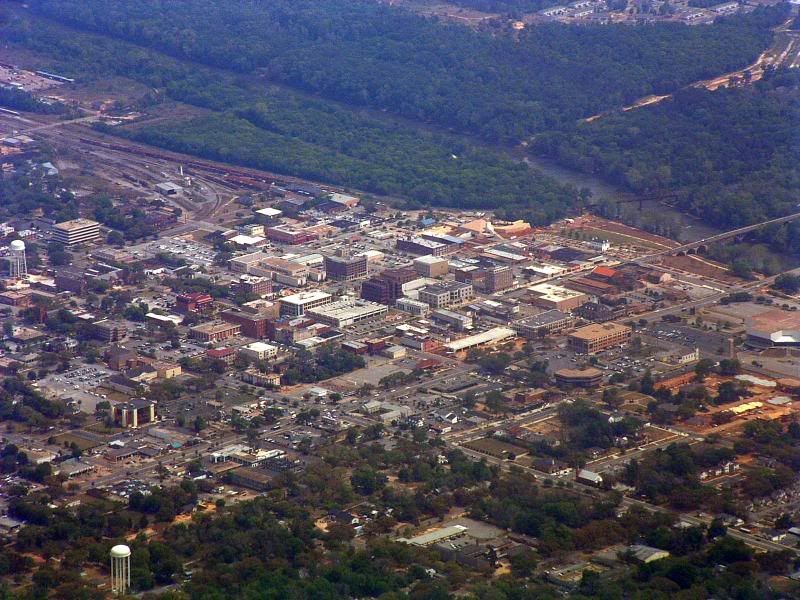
[[399, 299]]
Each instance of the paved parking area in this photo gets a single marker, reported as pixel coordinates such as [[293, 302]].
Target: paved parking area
[[80, 384]]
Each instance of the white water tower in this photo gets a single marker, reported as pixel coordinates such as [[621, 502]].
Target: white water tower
[[17, 265], [120, 569]]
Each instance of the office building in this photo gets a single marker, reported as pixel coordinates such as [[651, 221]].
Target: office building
[[431, 266], [597, 337], [252, 321], [446, 294], [296, 305], [285, 235], [70, 280], [345, 267], [258, 351], [258, 286], [76, 231], [560, 298], [585, 378], [246, 263], [388, 286], [498, 278], [214, 332], [413, 307], [109, 331], [134, 413], [255, 377], [452, 319], [421, 246], [544, 324]]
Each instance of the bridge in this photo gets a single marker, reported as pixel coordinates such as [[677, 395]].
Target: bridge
[[701, 246]]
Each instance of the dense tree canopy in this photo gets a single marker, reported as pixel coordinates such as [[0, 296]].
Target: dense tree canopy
[[364, 53], [731, 154]]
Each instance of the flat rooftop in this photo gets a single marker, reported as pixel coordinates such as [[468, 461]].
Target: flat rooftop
[[548, 291], [596, 330], [76, 224], [305, 297]]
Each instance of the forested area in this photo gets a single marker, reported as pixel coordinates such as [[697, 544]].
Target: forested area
[[367, 54], [23, 193], [276, 129], [731, 155], [516, 7], [364, 54], [22, 100]]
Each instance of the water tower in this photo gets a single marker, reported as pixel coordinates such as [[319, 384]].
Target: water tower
[[18, 266], [120, 569]]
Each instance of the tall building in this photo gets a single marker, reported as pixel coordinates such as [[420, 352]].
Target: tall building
[[296, 305], [346, 268], [431, 266], [109, 331], [17, 264], [388, 286], [498, 278], [76, 231], [120, 569]]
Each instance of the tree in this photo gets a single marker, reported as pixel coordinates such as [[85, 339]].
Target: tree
[[729, 391], [367, 481], [703, 368], [784, 521], [647, 383], [611, 397], [523, 564], [729, 367], [742, 269], [787, 283], [115, 238], [716, 529]]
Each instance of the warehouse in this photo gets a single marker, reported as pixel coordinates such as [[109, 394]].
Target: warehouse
[[773, 328]]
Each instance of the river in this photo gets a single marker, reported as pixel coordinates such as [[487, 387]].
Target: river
[[692, 228]]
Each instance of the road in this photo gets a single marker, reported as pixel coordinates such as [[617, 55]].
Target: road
[[717, 238]]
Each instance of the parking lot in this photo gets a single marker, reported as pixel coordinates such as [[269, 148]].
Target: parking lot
[[81, 384], [683, 336]]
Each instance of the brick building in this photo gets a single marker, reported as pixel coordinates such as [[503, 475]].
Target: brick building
[[597, 337]]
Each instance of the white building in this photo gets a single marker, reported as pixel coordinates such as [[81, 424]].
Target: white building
[[76, 231], [259, 351], [296, 305]]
